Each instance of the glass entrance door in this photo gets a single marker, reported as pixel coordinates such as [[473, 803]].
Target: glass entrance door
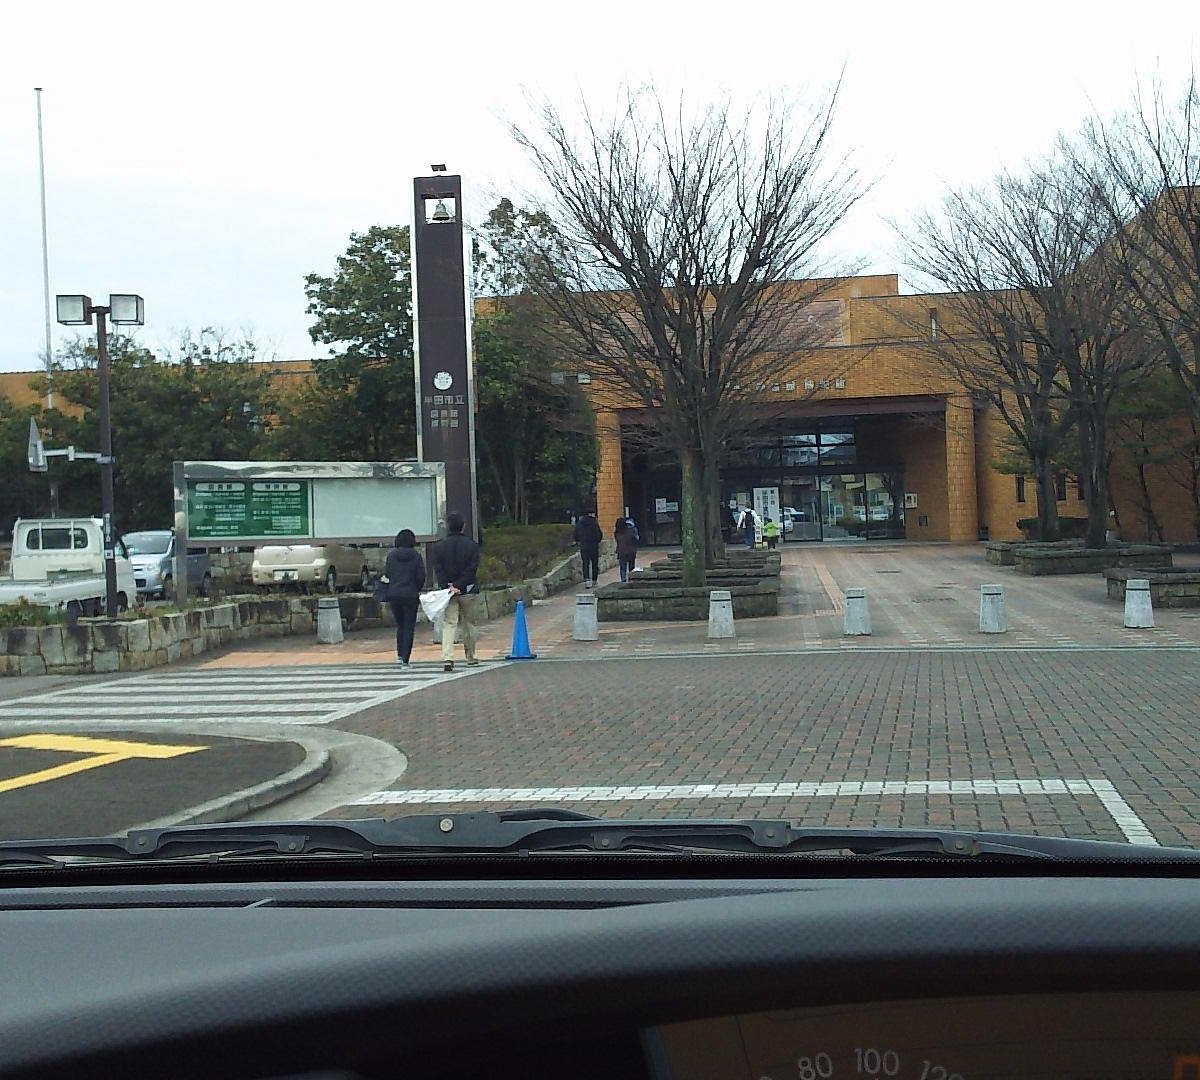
[[843, 506]]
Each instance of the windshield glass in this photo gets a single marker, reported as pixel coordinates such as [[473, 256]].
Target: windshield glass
[[147, 543], [645, 412]]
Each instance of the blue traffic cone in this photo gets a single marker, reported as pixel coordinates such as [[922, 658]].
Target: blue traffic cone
[[520, 645]]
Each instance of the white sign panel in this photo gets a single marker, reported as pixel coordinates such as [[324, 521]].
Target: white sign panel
[[766, 505]]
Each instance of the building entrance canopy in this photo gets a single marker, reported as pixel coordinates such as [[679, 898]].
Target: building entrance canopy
[[877, 471]]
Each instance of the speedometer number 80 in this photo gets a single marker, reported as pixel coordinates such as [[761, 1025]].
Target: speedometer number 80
[[817, 1067]]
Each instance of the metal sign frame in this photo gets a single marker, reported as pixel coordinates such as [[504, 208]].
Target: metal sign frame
[[185, 471]]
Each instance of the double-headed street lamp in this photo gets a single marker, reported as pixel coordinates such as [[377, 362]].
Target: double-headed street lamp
[[124, 309]]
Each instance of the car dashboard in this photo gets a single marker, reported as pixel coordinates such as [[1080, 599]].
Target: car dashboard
[[913, 973]]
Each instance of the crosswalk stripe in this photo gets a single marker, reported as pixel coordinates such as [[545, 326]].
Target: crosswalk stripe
[[82, 697], [176, 710], [315, 694]]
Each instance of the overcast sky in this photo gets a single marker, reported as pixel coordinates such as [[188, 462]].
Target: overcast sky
[[208, 156]]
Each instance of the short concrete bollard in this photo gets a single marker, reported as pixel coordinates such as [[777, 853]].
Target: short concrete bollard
[[856, 620], [329, 621], [1139, 608], [587, 628], [993, 619], [720, 614]]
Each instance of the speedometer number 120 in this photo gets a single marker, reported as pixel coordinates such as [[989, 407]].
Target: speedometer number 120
[[930, 1071]]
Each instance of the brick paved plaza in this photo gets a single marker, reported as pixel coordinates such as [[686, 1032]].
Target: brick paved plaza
[[1067, 725], [921, 595]]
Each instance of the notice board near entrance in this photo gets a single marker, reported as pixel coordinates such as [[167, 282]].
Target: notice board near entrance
[[242, 502]]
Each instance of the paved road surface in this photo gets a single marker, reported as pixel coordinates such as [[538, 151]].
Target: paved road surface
[[292, 695], [1069, 724], [96, 783], [1100, 743]]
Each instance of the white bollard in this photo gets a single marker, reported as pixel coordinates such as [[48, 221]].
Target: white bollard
[[329, 621], [1139, 608], [587, 627], [993, 619], [857, 617], [720, 614]]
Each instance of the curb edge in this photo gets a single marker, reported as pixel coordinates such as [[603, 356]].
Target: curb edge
[[317, 765]]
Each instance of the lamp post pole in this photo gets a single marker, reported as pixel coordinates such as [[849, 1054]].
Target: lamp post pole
[[128, 309], [107, 507]]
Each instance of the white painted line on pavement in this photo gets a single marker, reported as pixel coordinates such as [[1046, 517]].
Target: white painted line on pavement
[[150, 709], [1133, 828], [218, 693], [1122, 813]]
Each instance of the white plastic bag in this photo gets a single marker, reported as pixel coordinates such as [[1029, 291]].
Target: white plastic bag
[[434, 604]]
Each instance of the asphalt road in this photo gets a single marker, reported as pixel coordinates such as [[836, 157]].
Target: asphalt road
[[59, 783]]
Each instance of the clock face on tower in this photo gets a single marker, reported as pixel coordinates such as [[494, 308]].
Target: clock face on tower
[[443, 380]]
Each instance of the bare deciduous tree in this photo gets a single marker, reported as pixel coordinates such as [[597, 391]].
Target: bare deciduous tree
[[1146, 163], [682, 255], [1035, 320]]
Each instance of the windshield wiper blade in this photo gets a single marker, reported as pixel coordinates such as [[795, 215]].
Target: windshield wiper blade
[[553, 829]]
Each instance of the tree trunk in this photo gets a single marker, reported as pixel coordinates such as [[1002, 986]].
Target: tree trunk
[[1154, 531], [1195, 484], [714, 543], [692, 519], [1091, 452], [1047, 529]]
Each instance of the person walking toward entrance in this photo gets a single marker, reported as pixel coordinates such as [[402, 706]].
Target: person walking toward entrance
[[455, 564], [588, 536], [627, 537], [404, 573], [771, 532], [749, 526]]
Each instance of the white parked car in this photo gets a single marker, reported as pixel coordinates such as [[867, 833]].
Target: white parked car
[[326, 566]]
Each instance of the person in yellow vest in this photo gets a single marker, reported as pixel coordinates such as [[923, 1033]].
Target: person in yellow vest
[[771, 532]]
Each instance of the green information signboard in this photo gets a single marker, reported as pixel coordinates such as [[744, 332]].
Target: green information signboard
[[260, 509]]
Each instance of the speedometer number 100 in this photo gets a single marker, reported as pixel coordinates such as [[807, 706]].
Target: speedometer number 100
[[871, 1062]]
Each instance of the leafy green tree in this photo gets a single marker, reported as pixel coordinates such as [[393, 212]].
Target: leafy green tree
[[23, 494], [363, 406], [534, 439], [528, 429], [205, 400]]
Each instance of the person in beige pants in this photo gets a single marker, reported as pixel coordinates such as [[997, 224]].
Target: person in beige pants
[[459, 612], [455, 563]]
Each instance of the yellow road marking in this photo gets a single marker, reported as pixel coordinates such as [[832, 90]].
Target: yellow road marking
[[99, 752], [831, 590]]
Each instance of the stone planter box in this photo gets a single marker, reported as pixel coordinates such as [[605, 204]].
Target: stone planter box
[[1173, 587], [1042, 560], [1003, 552], [628, 601]]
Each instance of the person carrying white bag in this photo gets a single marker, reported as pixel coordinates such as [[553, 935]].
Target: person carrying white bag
[[455, 565]]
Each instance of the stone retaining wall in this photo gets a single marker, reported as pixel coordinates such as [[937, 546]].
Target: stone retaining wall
[[1041, 561], [752, 578], [617, 603], [98, 646], [1002, 552], [1174, 588]]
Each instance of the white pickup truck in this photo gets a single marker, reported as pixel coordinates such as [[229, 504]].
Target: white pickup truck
[[59, 562]]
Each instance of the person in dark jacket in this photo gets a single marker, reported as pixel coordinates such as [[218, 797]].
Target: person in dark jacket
[[588, 536], [626, 535], [404, 572], [455, 564]]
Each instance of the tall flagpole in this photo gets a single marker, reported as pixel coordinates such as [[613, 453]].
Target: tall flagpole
[[45, 252]]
